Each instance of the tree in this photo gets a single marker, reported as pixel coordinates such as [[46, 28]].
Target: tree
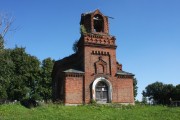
[[45, 85], [1, 43], [6, 72], [75, 47], [5, 24], [144, 100], [25, 75], [159, 92], [176, 93], [135, 88], [6, 64], [167, 93], [21, 76]]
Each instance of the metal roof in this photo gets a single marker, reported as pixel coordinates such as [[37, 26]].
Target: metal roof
[[73, 71], [120, 72]]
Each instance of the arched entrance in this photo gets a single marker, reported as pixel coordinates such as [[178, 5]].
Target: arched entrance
[[102, 90]]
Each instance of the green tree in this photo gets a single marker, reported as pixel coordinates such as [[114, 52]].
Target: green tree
[[154, 91], [135, 88], [159, 92], [144, 100], [21, 76], [45, 85], [176, 93], [25, 76], [167, 93], [7, 68], [75, 46], [1, 43]]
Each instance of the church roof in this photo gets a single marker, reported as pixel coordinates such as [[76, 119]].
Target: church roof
[[86, 13], [120, 72], [91, 12], [73, 71]]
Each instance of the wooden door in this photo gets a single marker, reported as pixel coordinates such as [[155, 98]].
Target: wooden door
[[101, 92]]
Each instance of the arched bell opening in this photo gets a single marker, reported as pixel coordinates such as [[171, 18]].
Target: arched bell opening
[[98, 23]]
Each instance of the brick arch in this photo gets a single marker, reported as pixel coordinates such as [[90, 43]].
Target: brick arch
[[108, 83]]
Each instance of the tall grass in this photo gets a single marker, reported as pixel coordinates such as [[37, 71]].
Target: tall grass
[[88, 112]]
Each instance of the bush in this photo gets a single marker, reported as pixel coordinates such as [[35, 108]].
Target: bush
[[93, 101], [29, 103]]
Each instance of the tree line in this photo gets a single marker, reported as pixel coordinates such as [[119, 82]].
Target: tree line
[[23, 76], [160, 93]]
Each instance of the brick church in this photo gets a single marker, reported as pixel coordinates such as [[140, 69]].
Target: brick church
[[92, 73]]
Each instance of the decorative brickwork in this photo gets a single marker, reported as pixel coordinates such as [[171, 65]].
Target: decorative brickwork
[[92, 73]]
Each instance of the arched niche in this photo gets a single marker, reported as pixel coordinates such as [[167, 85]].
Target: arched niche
[[100, 66]]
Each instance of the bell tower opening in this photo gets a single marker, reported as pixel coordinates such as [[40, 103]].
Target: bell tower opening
[[98, 23]]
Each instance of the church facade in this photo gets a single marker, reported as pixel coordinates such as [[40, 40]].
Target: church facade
[[92, 73]]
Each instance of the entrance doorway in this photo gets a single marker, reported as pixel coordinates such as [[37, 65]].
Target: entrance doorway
[[101, 92]]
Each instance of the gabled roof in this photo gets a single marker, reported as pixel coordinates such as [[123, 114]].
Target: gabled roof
[[73, 71], [120, 72]]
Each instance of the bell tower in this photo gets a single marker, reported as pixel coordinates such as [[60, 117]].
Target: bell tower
[[96, 43], [98, 49], [95, 22]]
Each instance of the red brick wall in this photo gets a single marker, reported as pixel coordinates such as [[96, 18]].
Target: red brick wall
[[122, 87], [74, 90], [90, 59], [123, 90]]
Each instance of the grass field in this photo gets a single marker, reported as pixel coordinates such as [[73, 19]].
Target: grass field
[[88, 112]]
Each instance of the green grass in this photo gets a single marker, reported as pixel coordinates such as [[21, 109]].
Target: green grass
[[88, 112]]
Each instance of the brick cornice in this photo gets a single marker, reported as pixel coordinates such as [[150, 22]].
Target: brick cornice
[[100, 45], [74, 74], [124, 76], [99, 40], [101, 75]]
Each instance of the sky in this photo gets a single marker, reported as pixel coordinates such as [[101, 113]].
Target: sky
[[147, 33]]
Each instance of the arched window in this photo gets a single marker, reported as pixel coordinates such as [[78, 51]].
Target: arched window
[[98, 23]]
